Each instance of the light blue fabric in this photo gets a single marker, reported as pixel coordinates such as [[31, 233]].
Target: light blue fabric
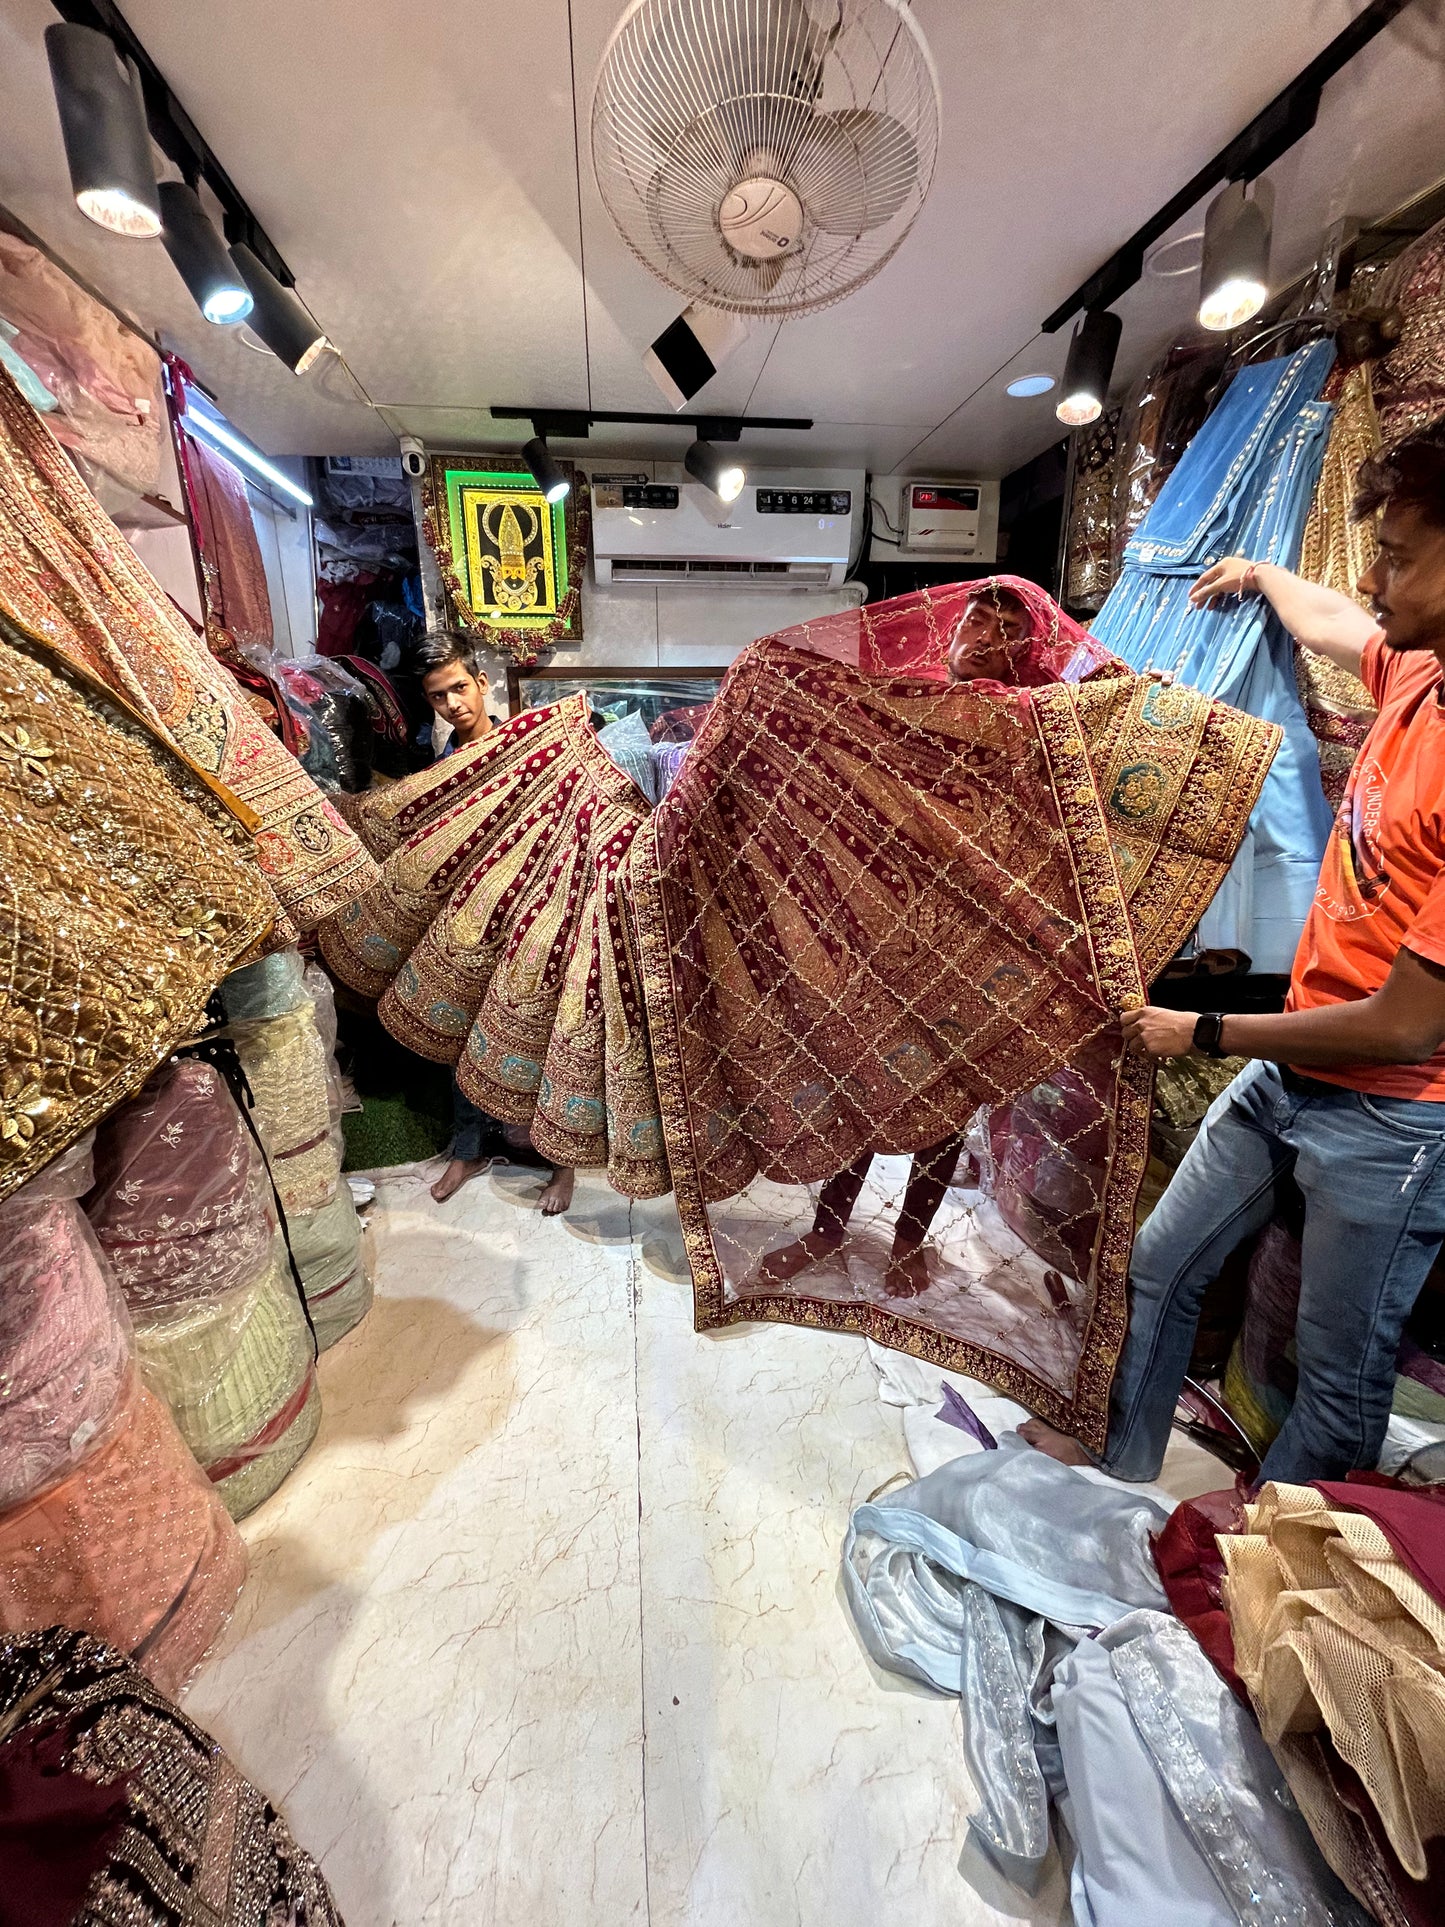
[[982, 1580], [22, 374], [1243, 486]]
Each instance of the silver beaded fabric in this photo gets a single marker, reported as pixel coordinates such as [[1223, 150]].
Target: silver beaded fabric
[[200, 1846]]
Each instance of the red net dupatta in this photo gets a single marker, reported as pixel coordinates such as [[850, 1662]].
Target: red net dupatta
[[886, 924]]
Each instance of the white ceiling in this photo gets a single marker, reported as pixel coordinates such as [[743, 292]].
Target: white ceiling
[[419, 168]]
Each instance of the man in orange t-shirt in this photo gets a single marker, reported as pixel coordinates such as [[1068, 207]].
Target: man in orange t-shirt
[[1347, 1093]]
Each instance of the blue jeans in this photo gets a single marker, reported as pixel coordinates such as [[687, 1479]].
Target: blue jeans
[[475, 1135], [1372, 1171]]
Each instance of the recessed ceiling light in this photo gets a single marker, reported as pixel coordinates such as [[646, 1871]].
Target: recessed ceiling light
[[1030, 385]]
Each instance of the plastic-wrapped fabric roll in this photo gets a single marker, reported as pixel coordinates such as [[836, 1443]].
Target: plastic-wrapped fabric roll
[[236, 1372], [134, 1546], [332, 1256], [182, 1203], [286, 1064], [64, 1334], [269, 988], [322, 993]]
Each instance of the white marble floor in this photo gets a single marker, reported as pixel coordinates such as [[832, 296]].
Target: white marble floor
[[547, 1628]]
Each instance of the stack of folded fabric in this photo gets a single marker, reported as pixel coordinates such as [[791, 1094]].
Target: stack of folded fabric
[[297, 1113], [181, 1206], [106, 1523], [1336, 1602]]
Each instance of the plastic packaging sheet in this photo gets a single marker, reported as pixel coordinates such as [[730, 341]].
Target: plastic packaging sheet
[[335, 1264], [134, 1546], [236, 1372], [64, 1334], [285, 1062], [181, 1202], [269, 988]]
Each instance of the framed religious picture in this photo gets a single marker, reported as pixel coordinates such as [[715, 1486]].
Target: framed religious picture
[[668, 703], [512, 561]]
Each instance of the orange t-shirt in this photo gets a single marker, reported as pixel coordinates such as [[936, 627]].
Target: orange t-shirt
[[1382, 883]]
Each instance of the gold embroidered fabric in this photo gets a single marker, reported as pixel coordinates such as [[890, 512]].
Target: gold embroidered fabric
[[129, 889], [1410, 381], [1334, 1634], [1337, 551], [498, 938], [68, 575], [883, 918], [877, 913]]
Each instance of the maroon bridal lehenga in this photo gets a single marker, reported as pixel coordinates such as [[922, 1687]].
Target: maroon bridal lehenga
[[852, 990]]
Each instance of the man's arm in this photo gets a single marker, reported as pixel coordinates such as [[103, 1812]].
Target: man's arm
[[1402, 1023], [1318, 618]]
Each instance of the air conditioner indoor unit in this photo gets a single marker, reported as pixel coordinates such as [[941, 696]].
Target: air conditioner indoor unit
[[787, 530]]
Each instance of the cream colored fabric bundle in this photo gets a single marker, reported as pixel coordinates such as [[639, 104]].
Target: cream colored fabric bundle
[[1332, 1633]]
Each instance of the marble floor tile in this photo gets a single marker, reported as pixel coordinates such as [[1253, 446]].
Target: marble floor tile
[[547, 1627]]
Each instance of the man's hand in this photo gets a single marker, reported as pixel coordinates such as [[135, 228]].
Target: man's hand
[[1152, 1032], [1226, 578]]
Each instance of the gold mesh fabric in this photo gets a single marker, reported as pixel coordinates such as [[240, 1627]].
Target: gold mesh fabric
[[1333, 1634], [1337, 551], [129, 889]]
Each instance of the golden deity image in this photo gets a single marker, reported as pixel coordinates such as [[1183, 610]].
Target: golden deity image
[[512, 561], [852, 988]]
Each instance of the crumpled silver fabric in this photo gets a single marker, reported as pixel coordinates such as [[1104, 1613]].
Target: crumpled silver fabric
[[991, 1578]]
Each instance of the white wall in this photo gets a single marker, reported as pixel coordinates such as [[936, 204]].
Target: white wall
[[635, 627]]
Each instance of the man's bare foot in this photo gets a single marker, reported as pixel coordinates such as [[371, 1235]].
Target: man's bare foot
[[788, 1260], [907, 1274], [456, 1175], [1054, 1444], [557, 1197]]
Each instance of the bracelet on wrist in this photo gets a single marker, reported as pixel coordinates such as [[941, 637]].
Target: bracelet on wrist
[[1249, 581]]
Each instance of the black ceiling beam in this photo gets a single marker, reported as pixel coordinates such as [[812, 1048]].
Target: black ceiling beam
[[1272, 132], [177, 135], [572, 424]]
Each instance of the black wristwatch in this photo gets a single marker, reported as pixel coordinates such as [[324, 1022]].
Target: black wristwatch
[[1207, 1032]]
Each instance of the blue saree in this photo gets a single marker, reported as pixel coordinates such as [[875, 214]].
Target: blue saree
[[1243, 486]]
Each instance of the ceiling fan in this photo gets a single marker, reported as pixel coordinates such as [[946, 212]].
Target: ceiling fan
[[765, 157]]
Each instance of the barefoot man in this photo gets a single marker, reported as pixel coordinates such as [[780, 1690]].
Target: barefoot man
[[1347, 1089], [457, 688]]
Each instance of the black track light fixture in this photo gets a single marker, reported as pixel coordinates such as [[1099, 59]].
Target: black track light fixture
[[1234, 273], [103, 122], [278, 317], [547, 473], [199, 256], [723, 474], [1089, 368]]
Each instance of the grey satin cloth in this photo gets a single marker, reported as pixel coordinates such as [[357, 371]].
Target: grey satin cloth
[[1029, 1589]]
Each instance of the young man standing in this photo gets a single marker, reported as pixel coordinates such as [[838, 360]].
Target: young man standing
[[1347, 1092], [457, 688]]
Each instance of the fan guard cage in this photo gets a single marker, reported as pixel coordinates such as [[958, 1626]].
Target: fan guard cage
[[834, 100]]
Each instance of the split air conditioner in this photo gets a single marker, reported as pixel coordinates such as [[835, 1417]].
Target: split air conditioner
[[787, 530]]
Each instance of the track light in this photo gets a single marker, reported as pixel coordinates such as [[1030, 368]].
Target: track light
[[546, 473], [103, 122], [1089, 367], [200, 256], [723, 474], [278, 317], [1234, 274]]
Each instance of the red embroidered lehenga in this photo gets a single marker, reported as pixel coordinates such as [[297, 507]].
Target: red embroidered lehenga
[[876, 912]]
